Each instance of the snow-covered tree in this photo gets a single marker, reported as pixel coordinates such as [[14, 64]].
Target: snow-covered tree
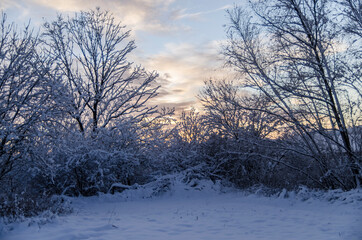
[[99, 85], [291, 52], [22, 92], [236, 113]]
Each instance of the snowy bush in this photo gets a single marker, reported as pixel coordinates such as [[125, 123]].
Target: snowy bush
[[15, 207]]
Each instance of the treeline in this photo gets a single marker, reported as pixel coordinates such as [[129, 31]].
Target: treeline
[[75, 118]]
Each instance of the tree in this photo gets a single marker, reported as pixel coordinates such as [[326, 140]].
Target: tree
[[352, 11], [288, 51], [191, 128], [22, 93], [230, 111], [241, 149], [98, 85]]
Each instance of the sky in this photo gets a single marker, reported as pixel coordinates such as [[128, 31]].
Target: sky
[[180, 39]]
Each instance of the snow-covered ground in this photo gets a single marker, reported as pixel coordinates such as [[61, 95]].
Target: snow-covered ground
[[188, 213]]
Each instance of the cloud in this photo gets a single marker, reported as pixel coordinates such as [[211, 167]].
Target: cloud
[[4, 4], [154, 16], [148, 15], [181, 14], [178, 90], [22, 7], [186, 67]]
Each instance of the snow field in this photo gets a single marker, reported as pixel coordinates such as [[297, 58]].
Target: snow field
[[192, 214]]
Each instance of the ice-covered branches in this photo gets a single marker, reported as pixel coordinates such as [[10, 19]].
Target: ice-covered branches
[[101, 86]]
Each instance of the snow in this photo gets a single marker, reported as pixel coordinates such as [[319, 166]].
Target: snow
[[206, 212]]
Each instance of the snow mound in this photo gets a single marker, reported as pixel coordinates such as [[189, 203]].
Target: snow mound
[[177, 186]]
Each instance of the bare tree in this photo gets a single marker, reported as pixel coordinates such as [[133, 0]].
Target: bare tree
[[231, 111], [289, 53], [22, 95], [352, 11], [191, 128], [99, 85]]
